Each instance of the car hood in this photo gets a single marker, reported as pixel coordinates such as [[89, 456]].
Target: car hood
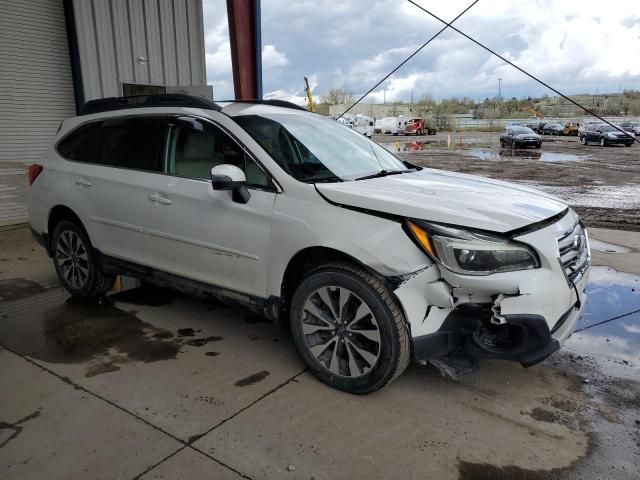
[[447, 197], [527, 135]]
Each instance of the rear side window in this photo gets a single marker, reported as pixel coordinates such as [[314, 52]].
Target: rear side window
[[130, 143], [133, 143], [77, 145]]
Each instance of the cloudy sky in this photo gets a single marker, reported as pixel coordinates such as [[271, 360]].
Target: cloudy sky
[[577, 46]]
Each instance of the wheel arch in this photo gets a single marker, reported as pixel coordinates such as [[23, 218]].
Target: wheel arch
[[305, 260], [56, 215]]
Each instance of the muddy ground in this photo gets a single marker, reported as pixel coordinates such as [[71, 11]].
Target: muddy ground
[[153, 384], [602, 184]]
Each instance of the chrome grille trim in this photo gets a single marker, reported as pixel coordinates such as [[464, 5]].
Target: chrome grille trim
[[573, 252]]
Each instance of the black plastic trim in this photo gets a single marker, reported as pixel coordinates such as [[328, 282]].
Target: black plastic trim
[[263, 306], [273, 103], [455, 337], [143, 101]]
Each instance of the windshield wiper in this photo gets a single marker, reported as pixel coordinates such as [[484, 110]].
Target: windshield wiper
[[384, 173]]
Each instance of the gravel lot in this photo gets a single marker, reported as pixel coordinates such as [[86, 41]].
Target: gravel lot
[[602, 184]]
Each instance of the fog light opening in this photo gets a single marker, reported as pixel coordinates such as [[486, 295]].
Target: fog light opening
[[499, 338]]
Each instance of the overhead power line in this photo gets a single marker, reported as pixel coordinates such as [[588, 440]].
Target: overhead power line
[[447, 25]]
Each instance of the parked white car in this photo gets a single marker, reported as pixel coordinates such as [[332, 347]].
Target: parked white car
[[372, 261]]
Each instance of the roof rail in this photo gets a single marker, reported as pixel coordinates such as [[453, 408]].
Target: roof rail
[[141, 101], [274, 102]]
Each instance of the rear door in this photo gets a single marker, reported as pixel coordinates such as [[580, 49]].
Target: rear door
[[108, 189], [201, 233]]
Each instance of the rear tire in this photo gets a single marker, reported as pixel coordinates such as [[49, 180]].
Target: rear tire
[[348, 328], [76, 264], [603, 142]]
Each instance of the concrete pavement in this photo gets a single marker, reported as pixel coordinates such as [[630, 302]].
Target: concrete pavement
[[155, 384]]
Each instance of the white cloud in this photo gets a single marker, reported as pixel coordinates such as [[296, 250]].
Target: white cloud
[[352, 44], [271, 57]]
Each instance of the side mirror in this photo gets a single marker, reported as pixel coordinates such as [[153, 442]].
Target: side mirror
[[230, 177]]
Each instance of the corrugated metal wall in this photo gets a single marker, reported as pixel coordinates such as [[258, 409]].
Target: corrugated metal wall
[[36, 87], [155, 42]]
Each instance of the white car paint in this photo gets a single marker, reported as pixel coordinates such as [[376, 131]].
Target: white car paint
[[183, 226]]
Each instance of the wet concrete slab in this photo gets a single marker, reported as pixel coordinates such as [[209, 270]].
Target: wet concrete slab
[[185, 365], [49, 429], [421, 426], [231, 385]]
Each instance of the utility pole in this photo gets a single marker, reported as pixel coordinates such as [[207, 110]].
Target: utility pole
[[499, 95]]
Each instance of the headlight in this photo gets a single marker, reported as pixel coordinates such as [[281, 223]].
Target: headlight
[[469, 252]]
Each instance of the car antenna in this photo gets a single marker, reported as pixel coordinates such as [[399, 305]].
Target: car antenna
[[448, 25]]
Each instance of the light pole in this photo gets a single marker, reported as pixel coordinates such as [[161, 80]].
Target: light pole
[[499, 94]]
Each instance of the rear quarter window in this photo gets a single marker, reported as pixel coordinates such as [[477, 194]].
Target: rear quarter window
[[77, 145]]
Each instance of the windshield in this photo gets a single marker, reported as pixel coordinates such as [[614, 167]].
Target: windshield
[[312, 148], [607, 128], [520, 130]]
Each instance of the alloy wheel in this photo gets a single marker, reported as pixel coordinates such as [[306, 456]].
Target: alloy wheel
[[341, 331], [72, 259]]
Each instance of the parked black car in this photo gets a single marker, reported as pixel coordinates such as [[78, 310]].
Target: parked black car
[[540, 127], [517, 136], [605, 135], [552, 129]]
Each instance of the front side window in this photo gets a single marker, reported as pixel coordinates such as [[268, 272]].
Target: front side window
[[312, 148], [195, 147]]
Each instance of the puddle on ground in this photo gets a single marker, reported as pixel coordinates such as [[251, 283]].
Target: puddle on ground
[[78, 330], [610, 294], [485, 471], [524, 154], [251, 379], [605, 247], [18, 288]]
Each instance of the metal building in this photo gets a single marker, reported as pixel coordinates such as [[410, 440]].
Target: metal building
[[57, 54]]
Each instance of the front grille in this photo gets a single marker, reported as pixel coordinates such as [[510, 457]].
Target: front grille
[[574, 253]]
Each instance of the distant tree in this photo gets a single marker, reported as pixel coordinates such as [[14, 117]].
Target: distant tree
[[337, 96]]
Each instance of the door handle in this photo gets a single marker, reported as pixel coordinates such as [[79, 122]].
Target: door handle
[[158, 198], [83, 182]]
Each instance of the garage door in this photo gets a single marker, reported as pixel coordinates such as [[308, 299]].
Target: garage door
[[36, 92]]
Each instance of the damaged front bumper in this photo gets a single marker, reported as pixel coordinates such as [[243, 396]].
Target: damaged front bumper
[[522, 316]]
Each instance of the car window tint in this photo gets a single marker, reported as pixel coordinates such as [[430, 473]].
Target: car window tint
[[77, 145], [130, 143], [195, 147]]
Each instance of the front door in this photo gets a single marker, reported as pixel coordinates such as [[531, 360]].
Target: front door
[[201, 233]]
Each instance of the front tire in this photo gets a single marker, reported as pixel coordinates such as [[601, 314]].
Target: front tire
[[76, 264], [583, 140], [603, 142], [348, 329]]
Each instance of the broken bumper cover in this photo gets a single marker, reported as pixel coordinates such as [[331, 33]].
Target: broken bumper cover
[[536, 344], [451, 314]]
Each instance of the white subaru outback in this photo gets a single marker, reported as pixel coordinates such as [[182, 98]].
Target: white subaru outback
[[374, 262]]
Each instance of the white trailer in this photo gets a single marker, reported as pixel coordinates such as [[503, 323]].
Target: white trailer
[[392, 125]]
